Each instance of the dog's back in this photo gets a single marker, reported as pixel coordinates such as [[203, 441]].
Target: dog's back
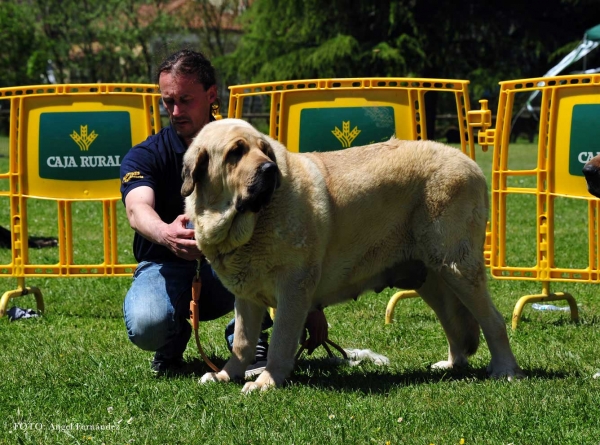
[[395, 203]]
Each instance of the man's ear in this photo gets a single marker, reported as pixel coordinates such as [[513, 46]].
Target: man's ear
[[212, 94], [193, 171]]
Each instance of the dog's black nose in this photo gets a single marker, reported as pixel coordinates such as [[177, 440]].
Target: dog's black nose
[[268, 168], [261, 189], [269, 173], [592, 178], [589, 170]]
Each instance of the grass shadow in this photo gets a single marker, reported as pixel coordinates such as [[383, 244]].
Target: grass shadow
[[324, 373], [379, 381], [195, 367]]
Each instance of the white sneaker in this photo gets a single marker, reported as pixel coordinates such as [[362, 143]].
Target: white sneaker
[[255, 368]]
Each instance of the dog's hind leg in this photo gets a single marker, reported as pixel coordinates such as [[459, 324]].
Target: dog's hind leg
[[461, 328], [248, 321], [468, 281]]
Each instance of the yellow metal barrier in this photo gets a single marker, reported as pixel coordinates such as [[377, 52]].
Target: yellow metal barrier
[[66, 143], [332, 114], [60, 148], [551, 185]]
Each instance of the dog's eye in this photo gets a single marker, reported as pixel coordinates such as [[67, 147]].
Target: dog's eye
[[236, 152]]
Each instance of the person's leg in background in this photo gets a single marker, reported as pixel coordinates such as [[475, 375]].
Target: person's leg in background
[[262, 348]]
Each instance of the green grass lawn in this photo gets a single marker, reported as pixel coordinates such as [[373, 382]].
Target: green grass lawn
[[3, 146], [73, 377]]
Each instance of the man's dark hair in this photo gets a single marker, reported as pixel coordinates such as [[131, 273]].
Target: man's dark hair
[[188, 62]]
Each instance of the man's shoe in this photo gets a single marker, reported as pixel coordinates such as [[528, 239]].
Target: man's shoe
[[260, 361], [255, 368], [161, 365]]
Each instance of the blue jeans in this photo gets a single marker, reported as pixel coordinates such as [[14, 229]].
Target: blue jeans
[[156, 307]]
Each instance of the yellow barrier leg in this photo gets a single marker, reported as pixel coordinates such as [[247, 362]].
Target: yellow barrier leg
[[389, 310], [19, 292], [544, 296]]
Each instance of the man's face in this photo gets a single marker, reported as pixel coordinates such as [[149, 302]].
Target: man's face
[[187, 103]]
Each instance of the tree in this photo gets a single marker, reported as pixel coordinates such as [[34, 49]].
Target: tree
[[487, 42], [22, 57], [339, 38], [484, 42], [212, 25], [87, 41], [102, 41], [214, 22]]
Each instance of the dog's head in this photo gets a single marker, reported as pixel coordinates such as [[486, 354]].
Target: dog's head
[[591, 171], [230, 169]]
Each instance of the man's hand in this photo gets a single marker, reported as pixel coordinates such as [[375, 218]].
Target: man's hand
[[180, 240], [316, 325], [142, 217]]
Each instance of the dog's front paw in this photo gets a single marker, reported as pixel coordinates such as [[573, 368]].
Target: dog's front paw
[[264, 382], [511, 372], [253, 386], [454, 362], [444, 364], [221, 376]]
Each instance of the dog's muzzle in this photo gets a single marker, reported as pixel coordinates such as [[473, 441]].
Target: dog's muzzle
[[592, 177], [260, 191]]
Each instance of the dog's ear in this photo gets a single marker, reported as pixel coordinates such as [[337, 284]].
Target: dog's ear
[[268, 150], [192, 172]]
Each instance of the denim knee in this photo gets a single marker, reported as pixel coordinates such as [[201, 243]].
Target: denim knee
[[147, 323]]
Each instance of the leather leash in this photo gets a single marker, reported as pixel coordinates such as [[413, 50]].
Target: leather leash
[[195, 316], [324, 344]]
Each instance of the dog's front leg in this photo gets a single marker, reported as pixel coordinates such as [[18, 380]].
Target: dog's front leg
[[287, 329], [248, 320]]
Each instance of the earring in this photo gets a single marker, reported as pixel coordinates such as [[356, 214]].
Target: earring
[[215, 106]]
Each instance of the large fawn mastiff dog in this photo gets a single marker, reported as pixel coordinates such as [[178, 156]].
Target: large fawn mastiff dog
[[302, 231]]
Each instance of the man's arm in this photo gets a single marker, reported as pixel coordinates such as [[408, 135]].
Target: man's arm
[[142, 217]]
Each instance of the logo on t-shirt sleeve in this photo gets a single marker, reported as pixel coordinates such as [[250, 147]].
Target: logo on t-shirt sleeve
[[132, 175]]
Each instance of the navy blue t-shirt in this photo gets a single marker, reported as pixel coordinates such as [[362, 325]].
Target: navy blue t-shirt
[[157, 163]]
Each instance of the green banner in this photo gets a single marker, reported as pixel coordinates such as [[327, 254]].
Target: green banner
[[78, 146], [585, 136], [328, 129]]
